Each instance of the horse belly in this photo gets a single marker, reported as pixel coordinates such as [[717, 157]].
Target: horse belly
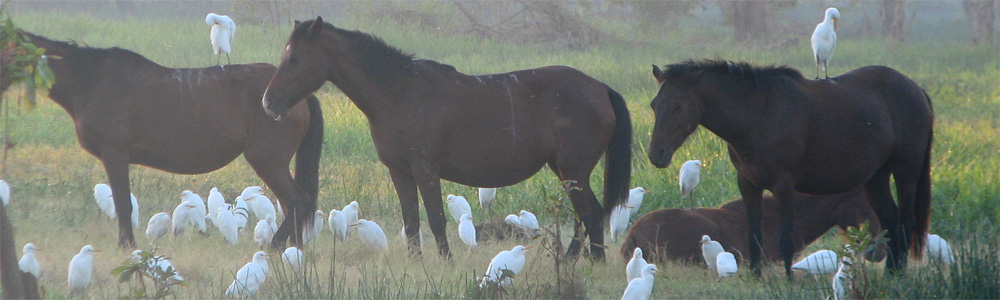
[[187, 160]]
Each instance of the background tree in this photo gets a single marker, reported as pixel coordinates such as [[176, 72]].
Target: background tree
[[983, 15], [893, 13]]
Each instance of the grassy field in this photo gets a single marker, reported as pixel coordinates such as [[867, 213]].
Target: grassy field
[[52, 177]]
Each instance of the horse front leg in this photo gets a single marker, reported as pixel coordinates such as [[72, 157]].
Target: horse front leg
[[752, 196], [116, 167], [784, 192], [429, 184], [406, 190]]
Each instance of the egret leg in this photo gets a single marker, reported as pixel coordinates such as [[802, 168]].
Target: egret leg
[[218, 60], [228, 62]]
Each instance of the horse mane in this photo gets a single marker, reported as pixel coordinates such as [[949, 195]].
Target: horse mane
[[758, 77], [379, 60], [90, 54]]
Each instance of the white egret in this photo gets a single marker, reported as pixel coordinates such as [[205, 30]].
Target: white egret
[[513, 219], [725, 264], [641, 288], [226, 222], [486, 197], [159, 262], [179, 220], [512, 260], [420, 236], [293, 258], [215, 200], [135, 210], [158, 225], [820, 262], [28, 262], [371, 234], [197, 215], [710, 250], [264, 231], [241, 212], [223, 33], [634, 267], [103, 197], [689, 176], [250, 191], [338, 224], [458, 206], [467, 230], [937, 249], [261, 206], [619, 221], [529, 221], [4, 192], [351, 213], [309, 234], [635, 200], [824, 39], [80, 268], [842, 279], [250, 277]]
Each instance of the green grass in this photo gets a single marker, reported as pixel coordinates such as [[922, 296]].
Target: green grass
[[52, 177]]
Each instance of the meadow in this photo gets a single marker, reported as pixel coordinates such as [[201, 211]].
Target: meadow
[[52, 178]]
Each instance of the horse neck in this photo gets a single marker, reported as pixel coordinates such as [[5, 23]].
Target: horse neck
[[347, 74], [730, 114]]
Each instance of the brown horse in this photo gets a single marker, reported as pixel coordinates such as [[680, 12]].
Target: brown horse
[[675, 233], [786, 134], [129, 110], [430, 122]]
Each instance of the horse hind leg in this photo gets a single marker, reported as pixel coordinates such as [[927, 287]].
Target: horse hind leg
[[879, 196], [299, 206], [587, 209]]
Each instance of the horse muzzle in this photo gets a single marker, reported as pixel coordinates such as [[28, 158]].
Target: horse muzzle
[[272, 108], [660, 156]]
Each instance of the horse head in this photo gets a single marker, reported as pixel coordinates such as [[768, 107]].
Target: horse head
[[677, 112], [302, 70]]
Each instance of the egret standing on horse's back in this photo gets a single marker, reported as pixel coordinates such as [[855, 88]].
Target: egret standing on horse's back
[[223, 33], [824, 39]]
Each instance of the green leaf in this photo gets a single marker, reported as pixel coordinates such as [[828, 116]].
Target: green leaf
[[44, 77], [28, 102]]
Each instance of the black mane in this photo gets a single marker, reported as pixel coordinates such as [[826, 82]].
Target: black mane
[[85, 53], [379, 60], [755, 76]]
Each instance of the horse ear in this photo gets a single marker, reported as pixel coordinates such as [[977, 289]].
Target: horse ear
[[658, 74], [316, 27], [297, 23]]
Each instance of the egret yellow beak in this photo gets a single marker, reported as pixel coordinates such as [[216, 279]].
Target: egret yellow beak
[[529, 247]]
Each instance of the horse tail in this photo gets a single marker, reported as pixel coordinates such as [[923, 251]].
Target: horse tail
[[618, 158], [308, 156], [922, 205]]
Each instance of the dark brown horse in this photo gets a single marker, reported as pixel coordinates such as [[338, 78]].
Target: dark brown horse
[[129, 110], [786, 134], [675, 233], [430, 122]]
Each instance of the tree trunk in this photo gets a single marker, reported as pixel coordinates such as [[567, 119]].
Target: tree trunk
[[983, 15], [748, 19], [894, 19]]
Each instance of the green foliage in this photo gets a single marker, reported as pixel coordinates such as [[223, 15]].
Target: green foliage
[[147, 267], [21, 61]]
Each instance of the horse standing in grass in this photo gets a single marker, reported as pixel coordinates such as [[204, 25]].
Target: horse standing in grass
[[129, 110], [675, 233], [430, 122], [787, 134]]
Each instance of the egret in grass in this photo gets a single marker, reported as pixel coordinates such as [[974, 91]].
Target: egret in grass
[[226, 222], [725, 264], [641, 288], [158, 225], [250, 277], [486, 197], [529, 221], [420, 236], [511, 260], [223, 33], [458, 206], [159, 262], [710, 250], [241, 212], [467, 231], [264, 231], [28, 262], [351, 212], [215, 201], [4, 192], [338, 224], [819, 262], [842, 279], [261, 206], [180, 219], [309, 234], [514, 219], [824, 40], [80, 268], [635, 197], [293, 258], [619, 221], [689, 175], [635, 265], [135, 210], [196, 215], [250, 191], [937, 249], [371, 234], [103, 197]]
